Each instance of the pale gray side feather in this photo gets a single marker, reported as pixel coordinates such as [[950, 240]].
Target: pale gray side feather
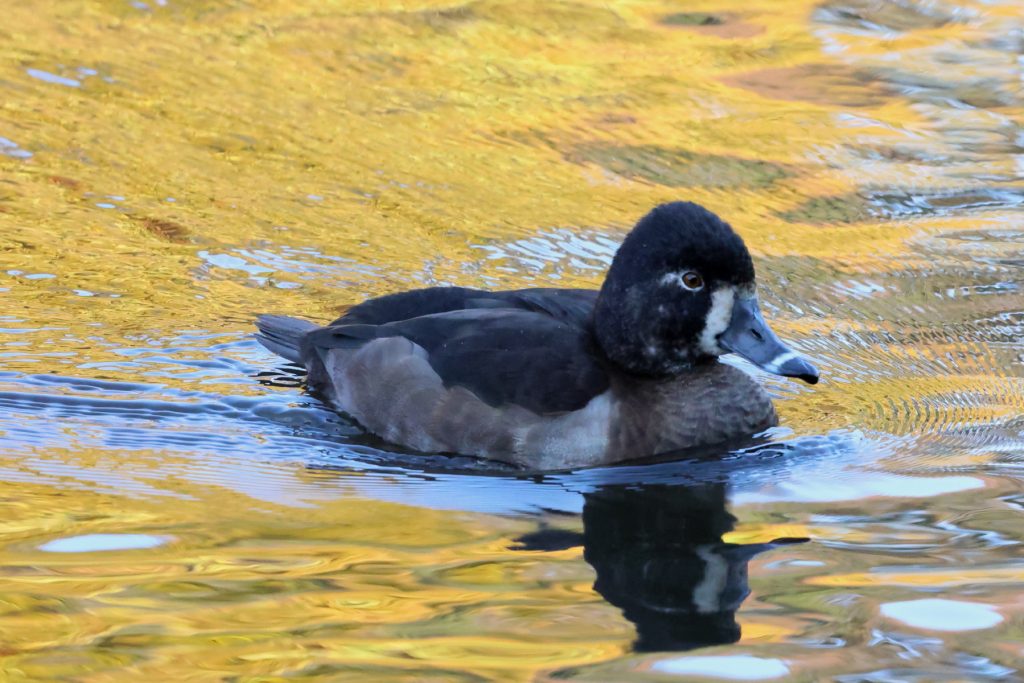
[[389, 387]]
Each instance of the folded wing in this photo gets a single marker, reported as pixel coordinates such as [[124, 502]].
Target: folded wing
[[535, 351]]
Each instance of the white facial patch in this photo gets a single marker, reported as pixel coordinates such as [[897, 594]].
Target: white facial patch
[[717, 320], [672, 279]]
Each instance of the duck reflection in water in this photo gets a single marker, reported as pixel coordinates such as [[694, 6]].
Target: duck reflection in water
[[659, 557]]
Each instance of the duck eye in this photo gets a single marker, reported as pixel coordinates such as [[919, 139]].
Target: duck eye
[[692, 280]]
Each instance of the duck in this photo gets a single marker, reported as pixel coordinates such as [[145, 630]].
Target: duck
[[549, 379]]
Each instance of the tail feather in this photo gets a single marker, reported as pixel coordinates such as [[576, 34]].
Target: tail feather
[[283, 335]]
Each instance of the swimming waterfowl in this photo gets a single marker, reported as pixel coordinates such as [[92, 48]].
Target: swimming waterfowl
[[558, 378]]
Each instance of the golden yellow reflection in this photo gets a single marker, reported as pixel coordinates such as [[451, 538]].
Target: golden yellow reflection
[[169, 169]]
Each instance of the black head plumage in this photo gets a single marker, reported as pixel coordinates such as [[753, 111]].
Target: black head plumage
[[681, 235], [645, 320]]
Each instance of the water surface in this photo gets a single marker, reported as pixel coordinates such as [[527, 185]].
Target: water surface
[[175, 507]]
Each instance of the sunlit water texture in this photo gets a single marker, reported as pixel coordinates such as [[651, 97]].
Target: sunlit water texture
[[173, 507]]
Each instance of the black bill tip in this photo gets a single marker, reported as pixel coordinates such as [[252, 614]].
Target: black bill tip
[[749, 336], [792, 365]]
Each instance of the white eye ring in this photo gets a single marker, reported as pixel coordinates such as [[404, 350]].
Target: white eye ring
[[689, 280]]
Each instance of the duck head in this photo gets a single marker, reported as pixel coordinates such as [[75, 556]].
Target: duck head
[[680, 291]]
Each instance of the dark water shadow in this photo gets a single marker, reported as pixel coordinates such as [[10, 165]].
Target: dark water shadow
[[660, 558]]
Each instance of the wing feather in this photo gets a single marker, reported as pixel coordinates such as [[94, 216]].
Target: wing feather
[[505, 356]]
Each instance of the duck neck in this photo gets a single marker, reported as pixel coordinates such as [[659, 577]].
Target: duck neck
[[631, 339]]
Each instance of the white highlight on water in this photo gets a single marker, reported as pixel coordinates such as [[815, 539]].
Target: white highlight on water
[[936, 614], [728, 667], [89, 543]]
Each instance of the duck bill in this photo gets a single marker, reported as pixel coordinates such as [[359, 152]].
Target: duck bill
[[748, 335]]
